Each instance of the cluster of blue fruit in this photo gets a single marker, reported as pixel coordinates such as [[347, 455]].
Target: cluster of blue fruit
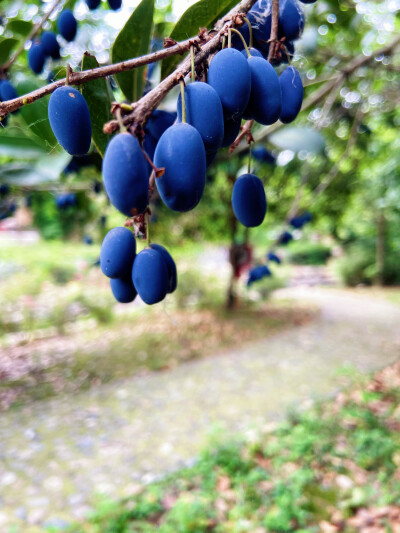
[[151, 273], [262, 271], [48, 46]]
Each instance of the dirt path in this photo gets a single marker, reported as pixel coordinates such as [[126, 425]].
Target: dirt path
[[55, 456]]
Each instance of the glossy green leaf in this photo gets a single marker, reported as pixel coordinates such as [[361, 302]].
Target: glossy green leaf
[[97, 96], [20, 27], [13, 145], [134, 41], [35, 116], [6, 47], [45, 169], [298, 139], [203, 14]]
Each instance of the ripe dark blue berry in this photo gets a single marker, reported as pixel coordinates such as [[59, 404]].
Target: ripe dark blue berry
[[231, 130], [249, 202], [265, 97], [229, 74], [271, 256], [150, 276], [158, 122], [260, 153], [285, 238], [50, 45], [253, 52], [172, 274], [292, 94], [67, 25], [180, 151], [257, 273], [125, 175], [115, 4], [123, 289], [93, 4], [117, 253], [7, 91], [70, 120], [204, 112], [291, 20], [36, 57]]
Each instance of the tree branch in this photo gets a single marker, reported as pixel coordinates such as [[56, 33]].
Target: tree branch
[[36, 28], [144, 107], [319, 94], [274, 46]]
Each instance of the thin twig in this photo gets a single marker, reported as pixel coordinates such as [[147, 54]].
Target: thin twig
[[245, 132], [144, 107], [35, 30], [78, 78], [274, 44]]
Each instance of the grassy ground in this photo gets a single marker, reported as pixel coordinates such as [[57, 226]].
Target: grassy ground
[[61, 331], [334, 467]]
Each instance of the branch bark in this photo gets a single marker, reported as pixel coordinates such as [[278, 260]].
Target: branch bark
[[273, 40], [35, 30], [144, 107]]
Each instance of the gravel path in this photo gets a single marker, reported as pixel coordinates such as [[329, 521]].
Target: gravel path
[[56, 456]]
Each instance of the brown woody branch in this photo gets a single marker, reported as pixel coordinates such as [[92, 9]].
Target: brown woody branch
[[35, 30], [274, 44], [144, 107], [319, 94]]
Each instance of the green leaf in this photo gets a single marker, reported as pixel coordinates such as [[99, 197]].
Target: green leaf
[[98, 99], [298, 139], [35, 116], [6, 47], [20, 27], [134, 41], [203, 14], [45, 169], [19, 147]]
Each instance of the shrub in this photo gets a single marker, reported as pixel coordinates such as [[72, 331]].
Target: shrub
[[307, 253]]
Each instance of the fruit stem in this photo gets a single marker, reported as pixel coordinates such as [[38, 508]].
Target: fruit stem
[[229, 38], [182, 83], [120, 121], [250, 31], [223, 41], [243, 40], [192, 62]]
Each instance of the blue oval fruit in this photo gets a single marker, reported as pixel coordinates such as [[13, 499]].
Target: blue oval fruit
[[257, 273], [285, 238], [271, 256], [70, 120], [7, 91], [123, 289], [150, 276], [292, 94], [229, 74], [117, 253], [67, 25], [36, 57], [231, 130], [172, 274], [291, 20], [158, 122], [125, 175], [308, 1], [260, 153], [265, 97], [249, 201], [115, 4], [50, 45], [180, 151], [253, 52], [93, 4], [260, 19], [203, 112]]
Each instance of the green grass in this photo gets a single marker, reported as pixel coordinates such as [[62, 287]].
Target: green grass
[[319, 466]]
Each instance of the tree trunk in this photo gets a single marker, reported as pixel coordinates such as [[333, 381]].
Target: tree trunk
[[380, 248]]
